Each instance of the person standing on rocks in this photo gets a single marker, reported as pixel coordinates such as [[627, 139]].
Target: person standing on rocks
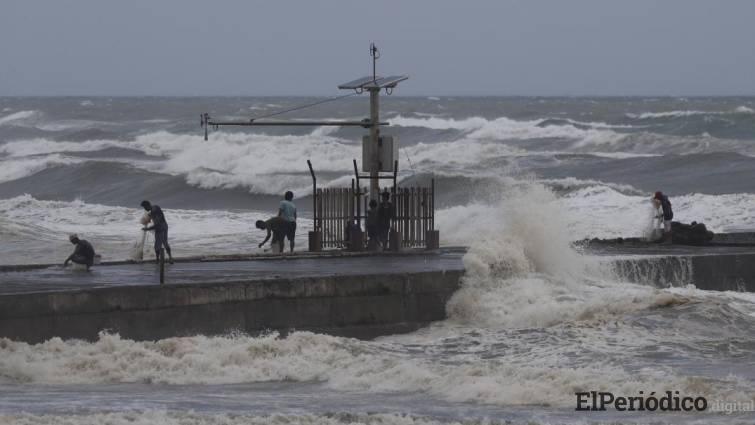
[[661, 201]]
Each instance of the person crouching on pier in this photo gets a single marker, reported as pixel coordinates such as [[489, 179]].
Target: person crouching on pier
[[661, 200], [82, 254], [160, 226], [276, 227], [287, 211]]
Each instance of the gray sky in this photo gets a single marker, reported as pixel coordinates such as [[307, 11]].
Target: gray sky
[[285, 47]]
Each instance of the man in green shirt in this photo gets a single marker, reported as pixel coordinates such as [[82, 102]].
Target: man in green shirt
[[287, 211]]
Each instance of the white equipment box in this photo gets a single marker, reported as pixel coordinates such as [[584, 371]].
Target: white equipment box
[[387, 153]]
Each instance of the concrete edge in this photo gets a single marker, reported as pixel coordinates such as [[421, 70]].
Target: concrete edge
[[152, 297], [253, 257]]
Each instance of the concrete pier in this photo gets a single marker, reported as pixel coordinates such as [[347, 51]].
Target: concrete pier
[[362, 295], [355, 296]]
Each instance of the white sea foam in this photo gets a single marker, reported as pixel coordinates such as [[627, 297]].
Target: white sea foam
[[163, 417], [340, 363], [594, 124], [19, 117], [598, 139], [40, 146], [63, 125], [605, 211], [258, 162], [270, 164], [688, 113], [18, 168], [505, 128], [522, 271], [34, 119], [573, 183]]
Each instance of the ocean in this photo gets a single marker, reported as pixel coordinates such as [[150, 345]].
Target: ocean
[[517, 178]]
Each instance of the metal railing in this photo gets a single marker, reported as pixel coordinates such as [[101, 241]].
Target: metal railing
[[414, 214], [336, 209]]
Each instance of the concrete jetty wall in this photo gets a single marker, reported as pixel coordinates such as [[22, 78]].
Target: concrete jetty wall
[[365, 303], [717, 272], [359, 306]]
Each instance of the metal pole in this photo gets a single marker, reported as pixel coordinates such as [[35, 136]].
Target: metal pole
[[395, 174], [358, 194], [374, 135], [314, 193], [363, 124]]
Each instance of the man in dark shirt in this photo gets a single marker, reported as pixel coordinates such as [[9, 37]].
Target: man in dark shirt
[[372, 226], [160, 226], [668, 214], [276, 227], [384, 217], [82, 254]]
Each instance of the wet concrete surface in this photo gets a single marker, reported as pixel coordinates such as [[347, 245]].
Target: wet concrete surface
[[217, 270], [57, 278], [656, 249]]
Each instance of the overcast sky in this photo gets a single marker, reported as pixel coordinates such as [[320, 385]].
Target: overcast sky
[[284, 47]]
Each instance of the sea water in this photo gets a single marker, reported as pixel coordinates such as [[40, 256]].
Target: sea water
[[534, 323]]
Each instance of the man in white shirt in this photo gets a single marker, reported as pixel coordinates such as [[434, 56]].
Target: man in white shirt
[[287, 211]]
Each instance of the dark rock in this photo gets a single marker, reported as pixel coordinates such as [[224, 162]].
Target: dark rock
[[690, 234]]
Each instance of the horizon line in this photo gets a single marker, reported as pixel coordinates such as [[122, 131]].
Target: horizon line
[[394, 95]]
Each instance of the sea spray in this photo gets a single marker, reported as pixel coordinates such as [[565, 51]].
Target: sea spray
[[523, 271], [652, 228]]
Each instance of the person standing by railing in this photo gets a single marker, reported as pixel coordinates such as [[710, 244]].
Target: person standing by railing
[[373, 239], [385, 216], [287, 211]]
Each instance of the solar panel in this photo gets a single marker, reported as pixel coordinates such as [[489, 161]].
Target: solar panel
[[356, 84], [387, 82]]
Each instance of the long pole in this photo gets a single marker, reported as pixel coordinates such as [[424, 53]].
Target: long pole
[[374, 136]]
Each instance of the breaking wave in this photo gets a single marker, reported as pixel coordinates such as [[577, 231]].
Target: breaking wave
[[272, 164], [339, 363], [19, 168], [504, 128], [688, 113], [19, 116], [601, 211], [34, 119]]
